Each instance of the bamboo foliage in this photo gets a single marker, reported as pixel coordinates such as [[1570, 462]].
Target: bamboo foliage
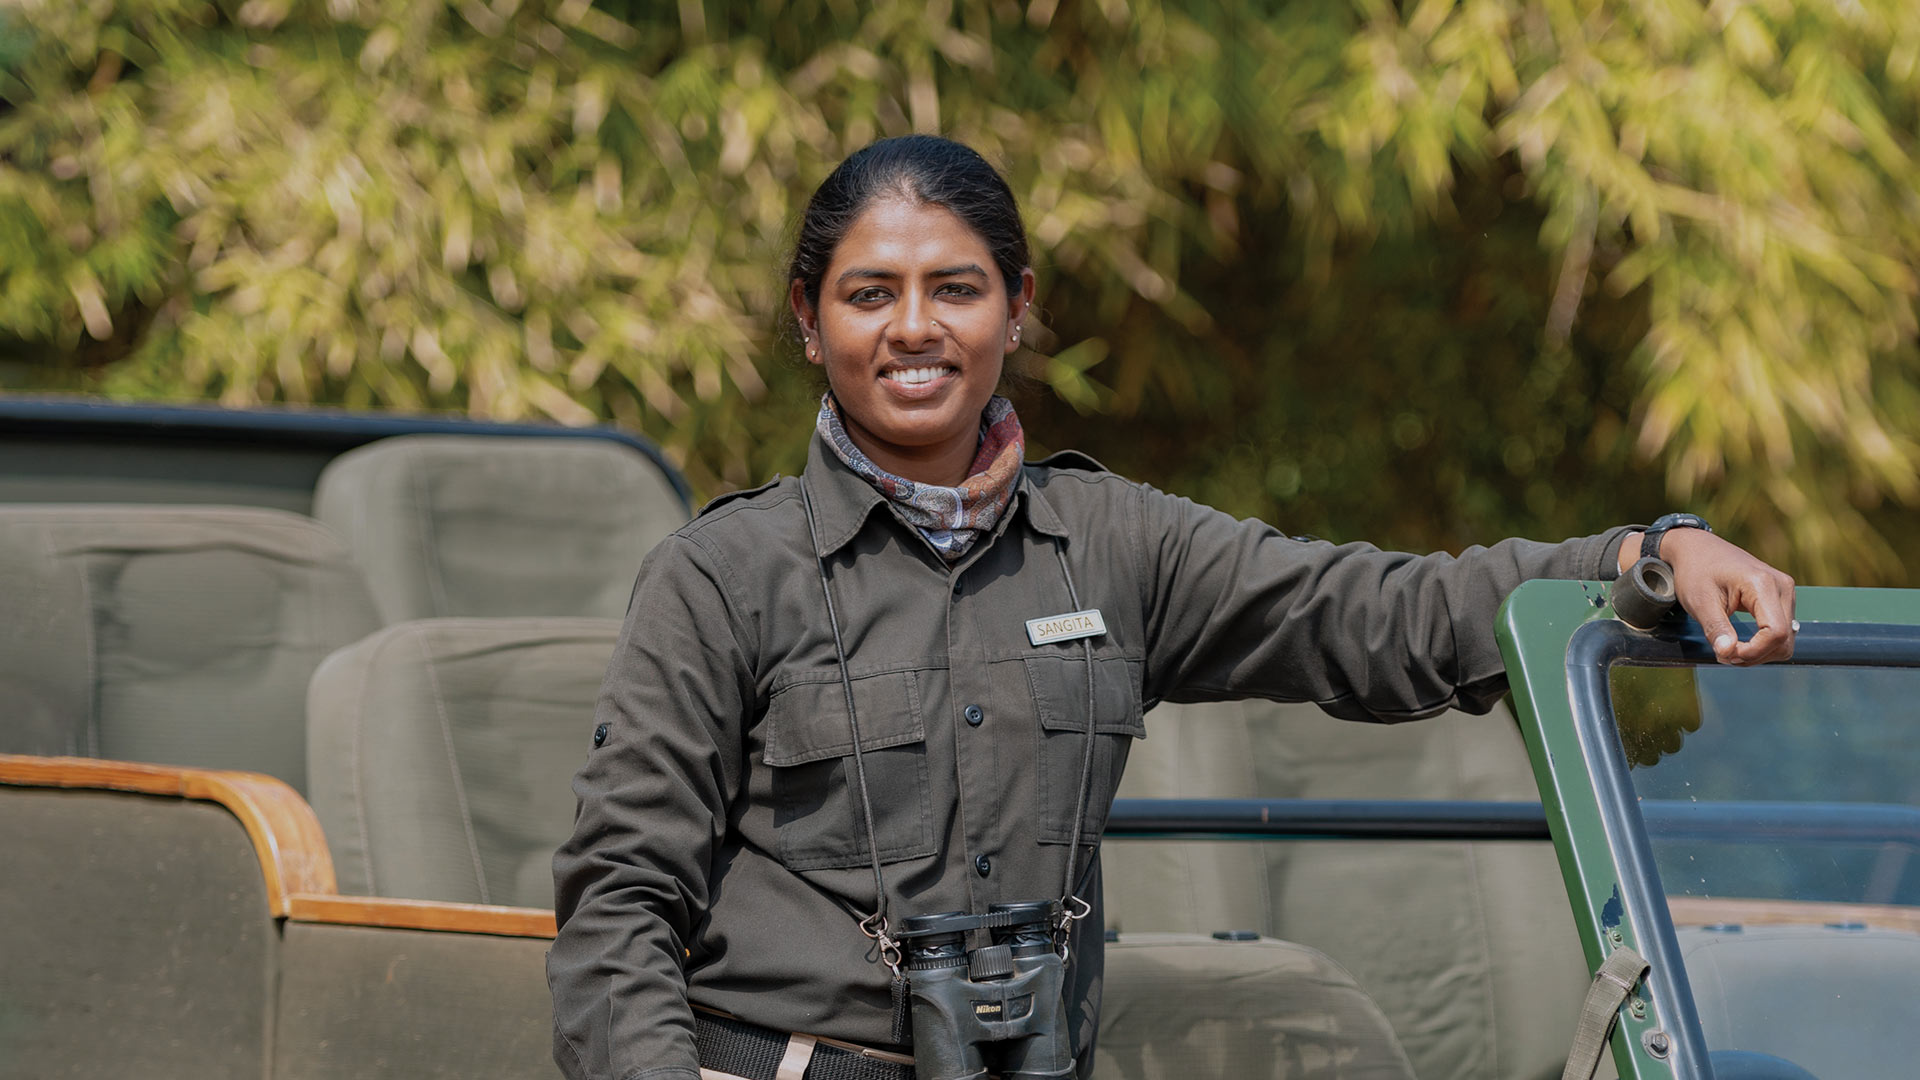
[[551, 208]]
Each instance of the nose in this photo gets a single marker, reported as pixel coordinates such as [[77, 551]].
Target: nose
[[914, 329]]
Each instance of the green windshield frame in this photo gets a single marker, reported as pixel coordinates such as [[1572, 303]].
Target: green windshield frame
[[1560, 640]]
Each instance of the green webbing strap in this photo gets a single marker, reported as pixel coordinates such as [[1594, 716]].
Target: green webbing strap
[[1611, 985]]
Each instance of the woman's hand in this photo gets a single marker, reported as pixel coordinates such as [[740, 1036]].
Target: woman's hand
[[1714, 579]]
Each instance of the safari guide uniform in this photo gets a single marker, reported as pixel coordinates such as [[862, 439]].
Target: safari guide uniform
[[719, 854]]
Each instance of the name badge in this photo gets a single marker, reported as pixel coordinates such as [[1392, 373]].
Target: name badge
[[1069, 627]]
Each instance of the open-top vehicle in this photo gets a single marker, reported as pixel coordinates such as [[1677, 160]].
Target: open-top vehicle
[[289, 702]]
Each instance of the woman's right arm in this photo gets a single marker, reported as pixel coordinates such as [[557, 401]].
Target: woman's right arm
[[631, 884]]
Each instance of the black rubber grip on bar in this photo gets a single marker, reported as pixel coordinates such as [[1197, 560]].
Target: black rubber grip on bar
[[1644, 594]]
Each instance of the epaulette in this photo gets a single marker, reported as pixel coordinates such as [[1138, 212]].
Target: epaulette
[[743, 493], [1070, 459]]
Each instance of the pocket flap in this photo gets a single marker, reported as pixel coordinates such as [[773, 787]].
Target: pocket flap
[[1059, 687], [808, 721]]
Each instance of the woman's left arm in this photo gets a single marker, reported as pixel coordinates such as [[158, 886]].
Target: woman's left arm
[[1715, 579], [1235, 609]]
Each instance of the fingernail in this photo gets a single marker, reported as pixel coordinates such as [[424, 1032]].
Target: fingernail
[[1723, 643], [1796, 626]]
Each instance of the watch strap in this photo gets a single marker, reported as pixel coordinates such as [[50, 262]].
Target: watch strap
[[1650, 541]]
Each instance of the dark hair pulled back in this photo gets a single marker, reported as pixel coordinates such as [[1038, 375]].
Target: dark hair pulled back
[[923, 167]]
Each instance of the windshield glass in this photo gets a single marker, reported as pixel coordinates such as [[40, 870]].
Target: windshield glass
[[1783, 807]]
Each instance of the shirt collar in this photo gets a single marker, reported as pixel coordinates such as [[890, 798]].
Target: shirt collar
[[842, 500], [1040, 513]]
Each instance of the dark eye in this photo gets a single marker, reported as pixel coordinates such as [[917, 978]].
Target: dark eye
[[868, 295], [955, 288]]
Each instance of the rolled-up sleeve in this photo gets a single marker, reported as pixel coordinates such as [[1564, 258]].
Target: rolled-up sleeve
[[1237, 609], [631, 884]]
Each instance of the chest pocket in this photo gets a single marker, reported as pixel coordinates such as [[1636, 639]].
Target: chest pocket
[[809, 749], [1059, 686]]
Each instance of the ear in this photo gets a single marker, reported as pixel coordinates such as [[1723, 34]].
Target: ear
[[1017, 307], [808, 318]]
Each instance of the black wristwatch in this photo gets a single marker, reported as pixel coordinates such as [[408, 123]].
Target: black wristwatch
[[1650, 540]]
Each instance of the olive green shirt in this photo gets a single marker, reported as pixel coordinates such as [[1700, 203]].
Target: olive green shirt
[[718, 852]]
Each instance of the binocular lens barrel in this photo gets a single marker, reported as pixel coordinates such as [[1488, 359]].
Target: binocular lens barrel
[[935, 950]]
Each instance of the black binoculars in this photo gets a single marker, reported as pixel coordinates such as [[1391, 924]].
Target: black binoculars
[[999, 1008]]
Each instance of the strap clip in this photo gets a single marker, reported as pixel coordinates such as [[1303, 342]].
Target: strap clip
[[875, 927]]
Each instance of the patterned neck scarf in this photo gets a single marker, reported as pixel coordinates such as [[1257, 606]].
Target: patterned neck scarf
[[951, 518]]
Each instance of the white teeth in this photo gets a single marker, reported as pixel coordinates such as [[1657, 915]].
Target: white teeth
[[917, 376]]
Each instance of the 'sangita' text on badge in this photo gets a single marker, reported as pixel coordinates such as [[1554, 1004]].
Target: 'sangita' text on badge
[[1069, 627]]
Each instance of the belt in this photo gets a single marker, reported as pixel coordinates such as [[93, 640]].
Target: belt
[[733, 1049]]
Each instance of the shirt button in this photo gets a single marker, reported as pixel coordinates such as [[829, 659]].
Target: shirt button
[[974, 715], [957, 588], [982, 865]]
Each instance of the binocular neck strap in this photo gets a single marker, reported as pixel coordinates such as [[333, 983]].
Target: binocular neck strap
[[1086, 756], [1067, 898], [859, 764]]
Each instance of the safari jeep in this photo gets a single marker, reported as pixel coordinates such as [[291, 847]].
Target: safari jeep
[[289, 702]]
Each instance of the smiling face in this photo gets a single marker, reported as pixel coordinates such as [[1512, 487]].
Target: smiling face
[[913, 325]]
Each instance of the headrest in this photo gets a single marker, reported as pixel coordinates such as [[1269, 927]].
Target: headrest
[[182, 635], [446, 525]]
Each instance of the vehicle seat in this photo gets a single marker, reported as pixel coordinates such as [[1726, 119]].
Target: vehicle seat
[[448, 525], [1837, 1000], [136, 935], [176, 635], [1180, 1006], [149, 935], [441, 754], [1468, 947]]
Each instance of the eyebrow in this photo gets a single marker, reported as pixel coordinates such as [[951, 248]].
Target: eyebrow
[[889, 275]]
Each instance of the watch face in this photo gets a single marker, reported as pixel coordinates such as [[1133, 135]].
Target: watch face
[[1682, 521]]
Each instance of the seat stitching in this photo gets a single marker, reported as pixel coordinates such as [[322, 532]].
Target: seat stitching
[[92, 718], [1486, 943], [360, 814], [428, 547], [453, 767], [312, 574]]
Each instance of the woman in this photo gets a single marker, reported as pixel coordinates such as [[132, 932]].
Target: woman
[[915, 584]]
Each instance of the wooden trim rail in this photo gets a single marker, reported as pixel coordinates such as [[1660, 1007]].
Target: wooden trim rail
[[401, 914], [285, 834], [286, 837]]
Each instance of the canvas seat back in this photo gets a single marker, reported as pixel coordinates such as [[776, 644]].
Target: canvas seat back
[[441, 754], [136, 938], [388, 1003], [450, 525], [1468, 947], [1178, 1006], [1835, 999], [163, 922], [180, 635]]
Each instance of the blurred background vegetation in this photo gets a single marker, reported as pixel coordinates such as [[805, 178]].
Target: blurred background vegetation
[[1428, 272]]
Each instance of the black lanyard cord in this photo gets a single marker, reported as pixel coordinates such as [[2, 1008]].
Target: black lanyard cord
[[879, 929], [1067, 897]]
